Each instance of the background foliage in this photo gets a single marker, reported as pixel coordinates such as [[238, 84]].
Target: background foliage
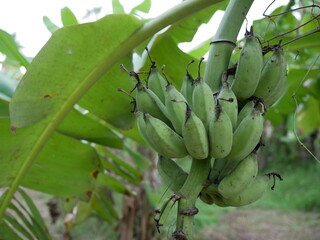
[[95, 163]]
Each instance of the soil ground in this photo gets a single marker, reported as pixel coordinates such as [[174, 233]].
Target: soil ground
[[257, 224]]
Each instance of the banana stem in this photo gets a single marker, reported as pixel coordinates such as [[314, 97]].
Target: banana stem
[[189, 193], [224, 42]]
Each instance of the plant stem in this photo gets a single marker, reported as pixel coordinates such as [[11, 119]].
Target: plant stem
[[181, 11], [224, 41], [189, 192]]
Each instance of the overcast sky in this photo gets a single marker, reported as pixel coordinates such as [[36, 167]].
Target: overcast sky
[[24, 18]]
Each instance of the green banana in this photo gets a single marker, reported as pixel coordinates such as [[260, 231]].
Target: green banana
[[251, 193], [187, 85], [279, 90], [227, 169], [176, 111], [275, 96], [155, 81], [164, 140], [142, 127], [220, 133], [206, 198], [210, 195], [249, 67], [195, 136], [240, 177], [203, 100], [247, 135], [148, 102], [216, 169], [160, 105], [246, 109], [230, 107], [171, 173], [273, 72]]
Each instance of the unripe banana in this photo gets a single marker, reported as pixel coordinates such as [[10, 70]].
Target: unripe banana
[[187, 86], [247, 135], [210, 195], [249, 68], [227, 169], [206, 198], [245, 111], [251, 193], [216, 170], [164, 140], [203, 101], [195, 136], [220, 133], [148, 102], [176, 111], [273, 72], [160, 105], [241, 176], [230, 107], [171, 173], [275, 96], [142, 127], [157, 83], [279, 90]]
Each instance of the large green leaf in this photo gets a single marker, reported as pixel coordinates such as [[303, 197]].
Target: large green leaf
[[200, 50], [103, 206], [140, 160], [308, 119], [82, 126], [110, 161], [308, 42], [185, 30], [10, 48], [37, 228], [175, 66], [112, 183], [63, 167], [4, 107], [16, 227], [64, 66], [106, 102]]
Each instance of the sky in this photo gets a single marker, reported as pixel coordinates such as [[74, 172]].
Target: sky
[[24, 18]]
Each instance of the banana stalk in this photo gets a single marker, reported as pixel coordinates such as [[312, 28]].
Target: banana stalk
[[224, 42], [189, 193]]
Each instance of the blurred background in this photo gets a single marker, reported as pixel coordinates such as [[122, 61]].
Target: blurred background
[[292, 141]]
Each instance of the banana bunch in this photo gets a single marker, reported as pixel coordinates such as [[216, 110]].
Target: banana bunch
[[257, 83], [226, 126]]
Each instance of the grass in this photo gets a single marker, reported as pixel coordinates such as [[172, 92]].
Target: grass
[[299, 189]]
